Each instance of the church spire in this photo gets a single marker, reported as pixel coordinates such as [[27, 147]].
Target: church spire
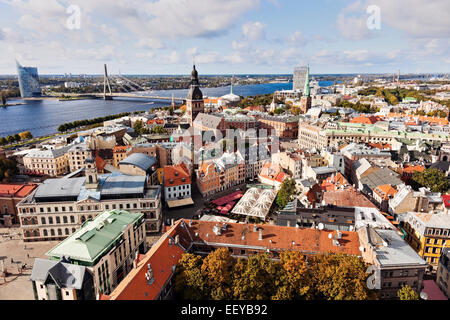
[[307, 90]]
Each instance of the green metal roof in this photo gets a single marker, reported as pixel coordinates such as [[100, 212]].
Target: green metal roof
[[95, 237]]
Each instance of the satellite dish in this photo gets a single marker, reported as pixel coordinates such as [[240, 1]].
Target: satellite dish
[[423, 295], [321, 226]]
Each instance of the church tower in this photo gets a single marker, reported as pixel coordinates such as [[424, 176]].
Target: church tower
[[91, 174], [194, 101], [306, 100]]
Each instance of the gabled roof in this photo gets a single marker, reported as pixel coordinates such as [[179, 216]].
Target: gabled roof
[[176, 175], [65, 275]]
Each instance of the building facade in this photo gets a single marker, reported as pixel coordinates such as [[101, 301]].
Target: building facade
[[59, 206], [107, 246], [428, 234], [28, 81]]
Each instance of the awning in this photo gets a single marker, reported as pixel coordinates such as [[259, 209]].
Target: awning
[[180, 203]]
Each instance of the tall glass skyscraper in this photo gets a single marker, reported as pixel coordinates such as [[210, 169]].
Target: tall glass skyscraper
[[300, 78], [28, 81]]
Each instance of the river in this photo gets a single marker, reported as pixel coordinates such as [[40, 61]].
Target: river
[[44, 116]]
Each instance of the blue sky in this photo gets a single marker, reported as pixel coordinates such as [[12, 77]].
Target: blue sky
[[225, 36]]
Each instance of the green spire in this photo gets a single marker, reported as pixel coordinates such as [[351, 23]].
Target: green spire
[[307, 89]]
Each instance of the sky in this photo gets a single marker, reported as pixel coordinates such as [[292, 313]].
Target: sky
[[225, 36]]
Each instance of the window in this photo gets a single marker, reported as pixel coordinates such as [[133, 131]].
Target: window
[[50, 220], [72, 219], [67, 231], [43, 221], [59, 232], [45, 233], [64, 219], [52, 232], [58, 220]]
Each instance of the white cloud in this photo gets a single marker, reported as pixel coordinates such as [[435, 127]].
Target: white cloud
[[254, 31], [297, 39]]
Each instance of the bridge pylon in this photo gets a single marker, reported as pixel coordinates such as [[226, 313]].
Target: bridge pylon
[[106, 82]]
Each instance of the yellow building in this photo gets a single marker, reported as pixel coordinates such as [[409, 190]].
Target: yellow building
[[428, 233]]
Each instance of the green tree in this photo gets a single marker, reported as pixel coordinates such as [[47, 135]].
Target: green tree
[[138, 125], [16, 137], [218, 267], [255, 278], [286, 193], [8, 168], [25, 135], [190, 283], [3, 141], [431, 178], [10, 139], [159, 130], [339, 277], [279, 111], [295, 279], [407, 293]]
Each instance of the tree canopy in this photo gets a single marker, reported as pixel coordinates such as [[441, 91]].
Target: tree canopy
[[407, 293], [8, 168], [431, 178], [286, 193], [219, 276]]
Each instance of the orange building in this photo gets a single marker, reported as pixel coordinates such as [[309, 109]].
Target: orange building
[[119, 153], [10, 196]]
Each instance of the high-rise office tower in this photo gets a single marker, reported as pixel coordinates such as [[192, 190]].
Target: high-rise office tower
[[299, 78], [28, 81]]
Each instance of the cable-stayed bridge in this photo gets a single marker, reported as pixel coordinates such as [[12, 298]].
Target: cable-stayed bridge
[[131, 88]]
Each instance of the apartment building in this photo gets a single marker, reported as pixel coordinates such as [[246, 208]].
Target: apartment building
[[77, 156], [221, 174], [292, 162], [284, 127], [428, 234], [177, 183], [107, 246], [119, 153], [10, 196], [397, 263], [57, 207], [51, 162]]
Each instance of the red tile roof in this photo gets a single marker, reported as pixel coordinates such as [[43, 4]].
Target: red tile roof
[[348, 197], [334, 182], [272, 172], [174, 175], [385, 191], [163, 255], [120, 149], [16, 190], [366, 120]]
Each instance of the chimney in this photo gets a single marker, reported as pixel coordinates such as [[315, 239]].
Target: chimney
[[260, 235], [135, 260]]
